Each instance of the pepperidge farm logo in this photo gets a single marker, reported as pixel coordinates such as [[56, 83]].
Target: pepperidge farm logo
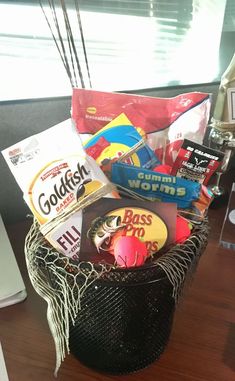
[[91, 110], [49, 194]]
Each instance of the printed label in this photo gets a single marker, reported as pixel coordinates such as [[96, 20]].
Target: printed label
[[196, 162], [142, 223], [66, 237], [59, 185], [152, 224]]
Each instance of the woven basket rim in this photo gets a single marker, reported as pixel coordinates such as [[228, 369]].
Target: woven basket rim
[[115, 275], [154, 262]]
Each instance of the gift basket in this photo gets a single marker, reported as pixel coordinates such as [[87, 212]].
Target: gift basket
[[115, 321], [120, 205]]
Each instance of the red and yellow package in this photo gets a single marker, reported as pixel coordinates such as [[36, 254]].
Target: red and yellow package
[[166, 121]]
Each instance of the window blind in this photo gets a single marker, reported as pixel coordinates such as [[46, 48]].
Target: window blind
[[130, 44]]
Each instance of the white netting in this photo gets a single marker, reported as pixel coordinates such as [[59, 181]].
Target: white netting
[[180, 262], [62, 282]]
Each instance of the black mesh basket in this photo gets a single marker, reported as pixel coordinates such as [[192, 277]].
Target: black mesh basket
[[126, 315], [123, 326]]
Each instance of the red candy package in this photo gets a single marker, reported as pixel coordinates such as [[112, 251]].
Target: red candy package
[[166, 121]]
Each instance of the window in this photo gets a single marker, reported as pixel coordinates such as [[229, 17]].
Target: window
[[130, 44]]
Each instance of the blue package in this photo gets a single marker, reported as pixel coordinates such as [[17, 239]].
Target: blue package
[[155, 186], [121, 139]]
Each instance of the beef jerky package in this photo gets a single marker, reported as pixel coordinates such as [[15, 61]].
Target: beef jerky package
[[57, 179], [166, 121], [196, 162]]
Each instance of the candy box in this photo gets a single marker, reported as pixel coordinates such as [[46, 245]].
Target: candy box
[[120, 140]]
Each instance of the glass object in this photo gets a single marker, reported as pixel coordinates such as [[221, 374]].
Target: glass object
[[225, 142], [222, 134], [227, 238]]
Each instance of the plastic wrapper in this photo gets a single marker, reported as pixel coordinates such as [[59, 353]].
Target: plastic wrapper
[[153, 186], [57, 179], [166, 121], [120, 140], [196, 162]]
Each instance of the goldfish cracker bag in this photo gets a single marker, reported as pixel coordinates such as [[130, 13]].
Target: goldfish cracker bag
[[166, 121], [57, 179]]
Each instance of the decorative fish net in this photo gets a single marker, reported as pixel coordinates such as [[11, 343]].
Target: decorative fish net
[[114, 320]]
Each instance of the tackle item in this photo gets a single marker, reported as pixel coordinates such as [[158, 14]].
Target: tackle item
[[163, 168], [183, 229], [129, 251]]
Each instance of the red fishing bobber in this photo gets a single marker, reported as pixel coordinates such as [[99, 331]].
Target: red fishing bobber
[[163, 168], [129, 251], [183, 229]]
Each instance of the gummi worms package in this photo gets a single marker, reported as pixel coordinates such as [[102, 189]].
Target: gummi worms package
[[154, 186]]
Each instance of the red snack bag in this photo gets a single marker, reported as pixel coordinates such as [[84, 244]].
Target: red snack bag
[[166, 121]]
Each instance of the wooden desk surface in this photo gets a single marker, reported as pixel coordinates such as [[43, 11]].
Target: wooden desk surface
[[202, 343]]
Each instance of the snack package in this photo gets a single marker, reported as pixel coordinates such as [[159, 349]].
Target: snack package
[[166, 121], [57, 179], [196, 162], [126, 232], [120, 140], [154, 186]]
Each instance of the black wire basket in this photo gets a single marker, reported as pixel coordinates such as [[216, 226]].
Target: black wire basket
[[125, 316], [122, 326]]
